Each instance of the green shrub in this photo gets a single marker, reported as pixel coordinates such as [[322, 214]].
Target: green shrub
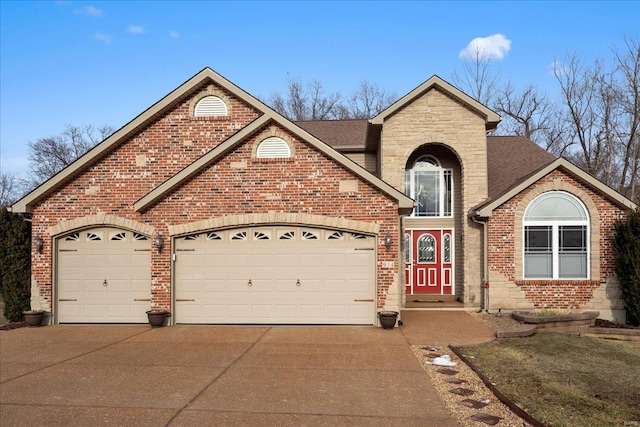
[[15, 264], [627, 249]]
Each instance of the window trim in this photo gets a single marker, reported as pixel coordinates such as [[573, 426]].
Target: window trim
[[555, 237]]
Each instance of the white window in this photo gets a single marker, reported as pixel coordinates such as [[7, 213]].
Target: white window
[[431, 186], [210, 106], [556, 237], [273, 148]]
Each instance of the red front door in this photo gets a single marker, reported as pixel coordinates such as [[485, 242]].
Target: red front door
[[429, 261]]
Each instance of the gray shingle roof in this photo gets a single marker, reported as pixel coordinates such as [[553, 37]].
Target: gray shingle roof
[[511, 159], [339, 134]]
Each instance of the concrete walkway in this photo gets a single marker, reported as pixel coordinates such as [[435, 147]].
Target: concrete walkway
[[216, 375]]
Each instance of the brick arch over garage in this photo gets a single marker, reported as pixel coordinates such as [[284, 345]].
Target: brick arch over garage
[[101, 220], [275, 218]]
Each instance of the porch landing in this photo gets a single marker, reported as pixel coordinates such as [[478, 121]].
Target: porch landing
[[426, 301]]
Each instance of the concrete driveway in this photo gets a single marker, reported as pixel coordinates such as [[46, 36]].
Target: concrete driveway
[[215, 375]]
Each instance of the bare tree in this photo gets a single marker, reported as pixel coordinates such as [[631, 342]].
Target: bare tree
[[311, 102], [477, 78], [10, 188], [50, 155], [602, 110], [578, 86], [306, 103], [627, 97], [369, 100]]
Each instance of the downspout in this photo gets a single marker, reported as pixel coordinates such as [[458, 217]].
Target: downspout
[[485, 261]]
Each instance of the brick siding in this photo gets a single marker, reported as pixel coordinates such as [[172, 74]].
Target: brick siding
[[505, 252], [236, 184]]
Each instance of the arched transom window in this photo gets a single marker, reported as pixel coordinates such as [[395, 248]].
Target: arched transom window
[[273, 148], [556, 237], [431, 186], [210, 106]]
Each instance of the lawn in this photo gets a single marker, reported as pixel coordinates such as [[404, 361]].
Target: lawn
[[565, 380]]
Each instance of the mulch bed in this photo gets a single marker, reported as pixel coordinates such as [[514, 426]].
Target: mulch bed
[[13, 325]]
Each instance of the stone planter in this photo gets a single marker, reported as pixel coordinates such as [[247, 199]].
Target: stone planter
[[560, 320], [388, 319], [33, 317], [157, 318]]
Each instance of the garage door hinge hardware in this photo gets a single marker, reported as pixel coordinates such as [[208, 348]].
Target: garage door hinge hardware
[[67, 299], [142, 299], [183, 300], [298, 282], [250, 283], [363, 249], [363, 300], [105, 283]]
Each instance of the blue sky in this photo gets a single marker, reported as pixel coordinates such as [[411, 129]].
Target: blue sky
[[67, 62]]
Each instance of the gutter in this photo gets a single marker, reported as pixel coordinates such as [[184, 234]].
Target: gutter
[[485, 263]]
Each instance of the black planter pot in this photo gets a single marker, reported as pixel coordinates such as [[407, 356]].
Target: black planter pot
[[388, 319], [33, 318], [156, 318]]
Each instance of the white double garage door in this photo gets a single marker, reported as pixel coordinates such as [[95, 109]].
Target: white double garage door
[[253, 275]]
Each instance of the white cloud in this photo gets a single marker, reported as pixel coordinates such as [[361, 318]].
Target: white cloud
[[491, 47], [135, 29], [89, 11], [174, 34], [106, 38]]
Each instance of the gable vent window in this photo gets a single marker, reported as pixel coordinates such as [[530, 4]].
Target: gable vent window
[[273, 148], [210, 106]]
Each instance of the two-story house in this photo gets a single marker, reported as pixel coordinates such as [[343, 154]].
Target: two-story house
[[213, 206]]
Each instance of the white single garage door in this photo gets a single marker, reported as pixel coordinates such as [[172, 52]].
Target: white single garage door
[[275, 275], [104, 276]]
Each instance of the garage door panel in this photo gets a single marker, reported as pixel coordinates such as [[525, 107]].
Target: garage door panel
[[356, 259], [358, 286], [308, 287], [335, 286], [105, 270], [287, 312], [335, 260], [284, 260], [239, 312], [191, 260], [214, 286], [311, 312], [94, 260], [311, 260], [238, 260], [118, 261], [300, 275]]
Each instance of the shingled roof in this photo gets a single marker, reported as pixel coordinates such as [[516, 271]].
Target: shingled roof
[[339, 134], [511, 159]]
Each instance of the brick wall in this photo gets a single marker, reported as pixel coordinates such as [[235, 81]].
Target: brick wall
[[237, 184], [505, 254]]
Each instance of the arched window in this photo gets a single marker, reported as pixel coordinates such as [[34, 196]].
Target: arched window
[[273, 148], [556, 237], [210, 106], [431, 186]]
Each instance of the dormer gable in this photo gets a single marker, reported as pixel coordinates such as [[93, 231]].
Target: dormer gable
[[491, 117]]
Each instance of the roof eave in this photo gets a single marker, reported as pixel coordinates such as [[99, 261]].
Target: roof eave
[[617, 198], [491, 117], [25, 204]]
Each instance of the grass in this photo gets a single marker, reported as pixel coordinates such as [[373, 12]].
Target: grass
[[565, 380]]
